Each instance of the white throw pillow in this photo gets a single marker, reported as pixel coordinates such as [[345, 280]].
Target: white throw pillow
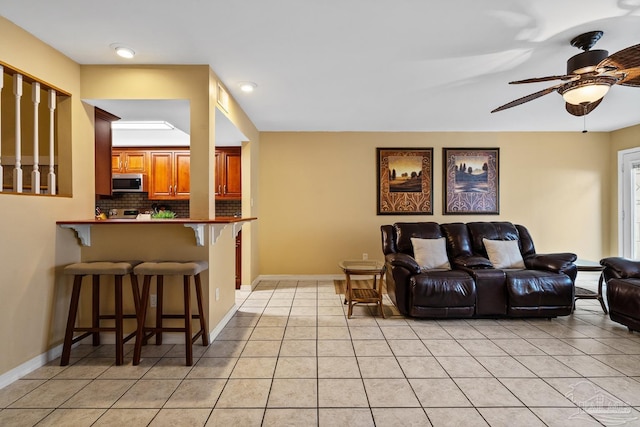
[[504, 253], [431, 253]]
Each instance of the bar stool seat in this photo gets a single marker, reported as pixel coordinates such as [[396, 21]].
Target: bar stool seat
[[97, 269], [171, 268]]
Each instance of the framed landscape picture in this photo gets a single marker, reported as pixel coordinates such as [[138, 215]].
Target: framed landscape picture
[[405, 181], [471, 181]]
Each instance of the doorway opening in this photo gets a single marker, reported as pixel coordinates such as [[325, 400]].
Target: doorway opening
[[629, 203]]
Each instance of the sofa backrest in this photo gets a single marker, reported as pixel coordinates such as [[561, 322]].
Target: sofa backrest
[[497, 230], [458, 239], [463, 240], [404, 231], [526, 242], [388, 239]]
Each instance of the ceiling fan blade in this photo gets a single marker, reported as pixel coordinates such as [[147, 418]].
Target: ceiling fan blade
[[528, 98], [546, 79], [632, 77], [580, 110], [626, 58]]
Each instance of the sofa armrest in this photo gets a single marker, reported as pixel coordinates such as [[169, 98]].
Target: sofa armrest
[[472, 262], [403, 260], [551, 262], [622, 267]]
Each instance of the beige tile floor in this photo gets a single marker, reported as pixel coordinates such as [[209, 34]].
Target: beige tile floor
[[290, 357]]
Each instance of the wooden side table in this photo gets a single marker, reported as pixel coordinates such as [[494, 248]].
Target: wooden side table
[[363, 295], [582, 293]]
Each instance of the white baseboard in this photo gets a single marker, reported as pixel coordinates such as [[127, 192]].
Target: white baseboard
[[297, 277], [216, 331], [29, 366], [44, 358]]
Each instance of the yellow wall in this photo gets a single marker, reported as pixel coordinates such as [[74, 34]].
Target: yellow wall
[[250, 187], [622, 139], [34, 303], [318, 193]]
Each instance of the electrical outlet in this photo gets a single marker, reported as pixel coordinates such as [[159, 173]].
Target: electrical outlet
[[365, 256], [153, 300], [217, 294]]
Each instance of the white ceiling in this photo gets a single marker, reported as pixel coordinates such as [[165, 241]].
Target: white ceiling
[[174, 111], [360, 65]]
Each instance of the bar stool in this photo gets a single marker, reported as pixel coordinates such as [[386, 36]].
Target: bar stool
[[96, 269], [161, 269]]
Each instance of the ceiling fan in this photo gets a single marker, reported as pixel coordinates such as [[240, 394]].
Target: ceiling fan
[[589, 76]]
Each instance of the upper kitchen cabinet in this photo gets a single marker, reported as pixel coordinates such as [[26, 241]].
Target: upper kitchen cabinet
[[169, 174], [103, 136], [228, 184], [125, 160]]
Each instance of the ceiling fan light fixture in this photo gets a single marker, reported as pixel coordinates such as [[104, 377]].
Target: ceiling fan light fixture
[[587, 90], [585, 94]]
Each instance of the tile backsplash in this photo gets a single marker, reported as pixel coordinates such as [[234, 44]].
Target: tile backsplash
[[180, 207]]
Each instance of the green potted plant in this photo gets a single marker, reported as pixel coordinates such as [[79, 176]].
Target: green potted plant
[[163, 215]]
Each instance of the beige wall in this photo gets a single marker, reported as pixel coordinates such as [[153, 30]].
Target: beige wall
[[34, 303], [250, 188], [318, 193], [622, 139]]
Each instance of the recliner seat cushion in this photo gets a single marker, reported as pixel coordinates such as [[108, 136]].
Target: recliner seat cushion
[[447, 288], [623, 296], [536, 288]]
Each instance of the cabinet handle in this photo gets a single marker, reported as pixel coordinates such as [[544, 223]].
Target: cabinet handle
[[126, 165], [219, 190], [119, 164], [225, 189], [170, 188]]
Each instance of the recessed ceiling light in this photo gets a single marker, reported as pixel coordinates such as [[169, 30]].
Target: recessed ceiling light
[[247, 87], [123, 51], [141, 125]]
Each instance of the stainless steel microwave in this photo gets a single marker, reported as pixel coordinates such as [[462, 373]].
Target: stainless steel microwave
[[126, 183]]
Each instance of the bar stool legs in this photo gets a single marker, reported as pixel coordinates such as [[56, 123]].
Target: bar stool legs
[[96, 269], [161, 269]]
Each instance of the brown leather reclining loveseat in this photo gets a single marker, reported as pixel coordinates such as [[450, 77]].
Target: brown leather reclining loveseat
[[455, 278]]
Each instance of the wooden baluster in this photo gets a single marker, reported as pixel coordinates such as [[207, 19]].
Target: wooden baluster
[[1, 86], [17, 171], [51, 179], [35, 173]]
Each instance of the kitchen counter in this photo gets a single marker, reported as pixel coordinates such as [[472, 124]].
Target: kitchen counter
[[217, 224]]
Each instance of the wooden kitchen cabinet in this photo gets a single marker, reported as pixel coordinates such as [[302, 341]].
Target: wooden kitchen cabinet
[[169, 175], [228, 185], [239, 260], [102, 131], [125, 160]]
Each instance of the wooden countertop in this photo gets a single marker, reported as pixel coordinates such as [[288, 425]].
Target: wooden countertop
[[216, 220], [82, 227]]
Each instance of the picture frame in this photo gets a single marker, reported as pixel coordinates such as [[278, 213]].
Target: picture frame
[[471, 181], [405, 181]]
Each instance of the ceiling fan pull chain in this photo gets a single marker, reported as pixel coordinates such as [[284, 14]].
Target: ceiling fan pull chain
[[584, 119]]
